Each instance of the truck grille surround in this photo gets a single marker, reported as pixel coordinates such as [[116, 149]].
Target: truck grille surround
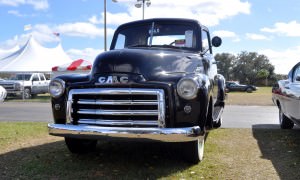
[[8, 86], [117, 107]]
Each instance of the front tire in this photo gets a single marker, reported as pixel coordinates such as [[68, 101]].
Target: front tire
[[27, 93], [194, 151], [249, 90], [285, 122], [80, 146]]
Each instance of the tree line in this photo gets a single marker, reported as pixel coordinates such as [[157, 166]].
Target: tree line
[[247, 68]]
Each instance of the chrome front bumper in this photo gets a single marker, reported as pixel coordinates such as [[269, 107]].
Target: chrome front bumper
[[97, 132]]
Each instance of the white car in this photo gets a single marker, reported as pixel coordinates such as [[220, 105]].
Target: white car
[[3, 94]]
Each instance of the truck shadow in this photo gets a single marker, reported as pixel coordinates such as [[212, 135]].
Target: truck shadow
[[281, 147], [111, 160]]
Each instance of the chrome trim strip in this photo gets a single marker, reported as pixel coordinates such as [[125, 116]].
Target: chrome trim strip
[[104, 122], [114, 91], [98, 132], [118, 112], [117, 102]]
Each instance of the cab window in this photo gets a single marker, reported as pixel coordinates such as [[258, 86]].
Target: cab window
[[296, 77], [35, 77]]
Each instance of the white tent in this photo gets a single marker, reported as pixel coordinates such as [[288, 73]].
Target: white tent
[[6, 52], [33, 57]]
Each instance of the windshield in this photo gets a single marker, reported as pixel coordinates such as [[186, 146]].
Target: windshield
[[25, 77], [178, 36]]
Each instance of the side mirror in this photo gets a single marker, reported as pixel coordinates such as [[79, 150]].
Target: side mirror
[[216, 41], [298, 78]]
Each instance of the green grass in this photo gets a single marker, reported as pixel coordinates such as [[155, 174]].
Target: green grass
[[18, 131], [229, 154], [261, 97]]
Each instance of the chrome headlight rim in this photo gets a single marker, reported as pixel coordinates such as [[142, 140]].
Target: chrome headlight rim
[[57, 83], [179, 87], [18, 86]]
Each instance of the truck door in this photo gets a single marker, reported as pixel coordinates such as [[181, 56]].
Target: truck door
[[293, 93], [44, 84], [36, 84]]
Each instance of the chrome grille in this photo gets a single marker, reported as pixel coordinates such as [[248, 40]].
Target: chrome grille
[[130, 107], [8, 86]]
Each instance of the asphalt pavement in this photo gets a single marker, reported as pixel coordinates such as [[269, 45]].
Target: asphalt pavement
[[233, 117], [24, 111]]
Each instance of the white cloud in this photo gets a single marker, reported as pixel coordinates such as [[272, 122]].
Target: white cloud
[[112, 19], [15, 13], [43, 33], [283, 60], [208, 12], [82, 29], [224, 33], [37, 4], [18, 14], [88, 54], [256, 36], [291, 29], [227, 34]]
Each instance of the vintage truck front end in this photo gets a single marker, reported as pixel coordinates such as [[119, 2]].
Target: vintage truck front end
[[145, 93]]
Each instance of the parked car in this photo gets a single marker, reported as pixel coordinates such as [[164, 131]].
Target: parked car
[[26, 84], [285, 95], [3, 94], [158, 82], [236, 86]]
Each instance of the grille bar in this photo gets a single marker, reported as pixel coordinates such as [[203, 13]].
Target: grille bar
[[117, 102], [118, 122], [118, 112]]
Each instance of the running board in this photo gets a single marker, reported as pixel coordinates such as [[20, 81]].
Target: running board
[[218, 110]]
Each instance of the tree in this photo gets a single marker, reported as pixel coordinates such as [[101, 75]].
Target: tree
[[247, 65], [263, 73], [225, 64]]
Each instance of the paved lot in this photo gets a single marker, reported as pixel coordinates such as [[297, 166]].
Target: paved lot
[[250, 116], [22, 111], [234, 116]]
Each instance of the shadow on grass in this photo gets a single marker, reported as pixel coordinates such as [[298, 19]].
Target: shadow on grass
[[281, 147], [111, 160]]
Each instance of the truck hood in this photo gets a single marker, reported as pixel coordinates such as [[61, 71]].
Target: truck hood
[[151, 63], [11, 82]]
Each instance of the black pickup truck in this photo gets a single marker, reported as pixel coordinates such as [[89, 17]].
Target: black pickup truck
[[158, 82]]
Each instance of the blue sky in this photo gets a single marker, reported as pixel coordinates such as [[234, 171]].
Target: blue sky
[[271, 28]]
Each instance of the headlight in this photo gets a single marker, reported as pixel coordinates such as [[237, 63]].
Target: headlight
[[187, 88], [17, 86], [57, 88]]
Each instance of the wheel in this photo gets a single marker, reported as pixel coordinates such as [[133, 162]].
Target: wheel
[[249, 90], [285, 122], [79, 146], [27, 93], [194, 151], [218, 123]]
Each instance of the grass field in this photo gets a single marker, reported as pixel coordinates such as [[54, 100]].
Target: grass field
[[261, 97], [28, 152]]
